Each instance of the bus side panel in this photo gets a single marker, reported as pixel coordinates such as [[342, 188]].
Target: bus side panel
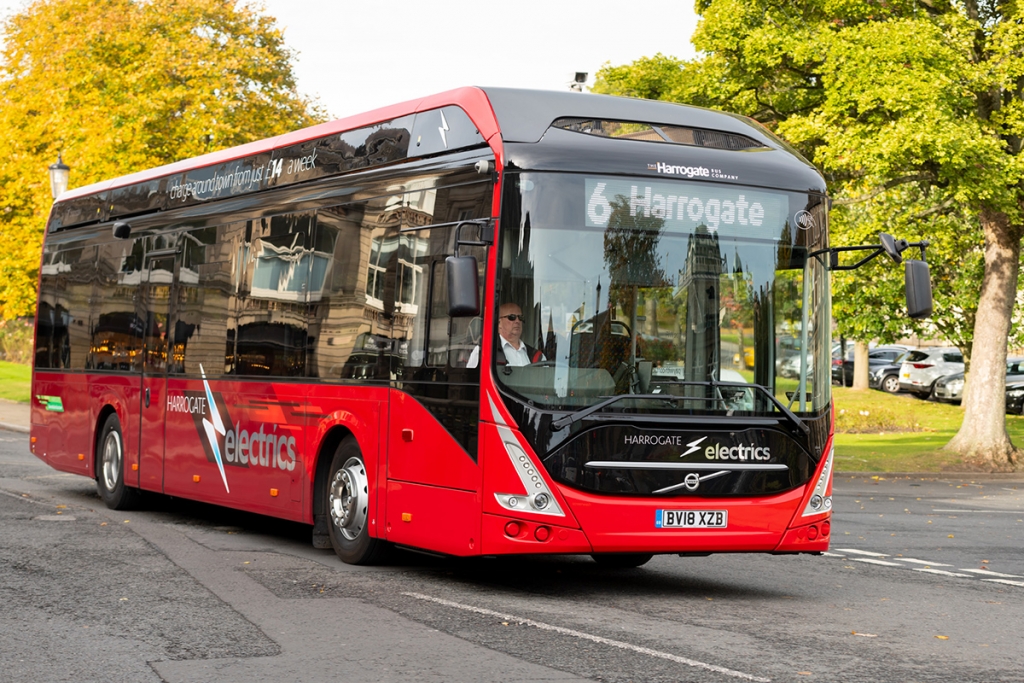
[[420, 449], [122, 392], [434, 518], [238, 444], [361, 411], [61, 408], [615, 524]]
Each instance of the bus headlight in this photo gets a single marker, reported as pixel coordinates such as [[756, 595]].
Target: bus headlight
[[820, 502]]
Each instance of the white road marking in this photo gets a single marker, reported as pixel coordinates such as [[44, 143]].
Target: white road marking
[[930, 564], [989, 572], [861, 552], [994, 512], [587, 636], [942, 572], [871, 561], [828, 554], [1006, 581]]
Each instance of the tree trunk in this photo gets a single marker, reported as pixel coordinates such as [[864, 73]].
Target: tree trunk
[[860, 365], [982, 439]]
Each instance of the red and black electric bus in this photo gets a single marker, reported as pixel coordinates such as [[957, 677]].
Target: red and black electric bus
[[307, 327]]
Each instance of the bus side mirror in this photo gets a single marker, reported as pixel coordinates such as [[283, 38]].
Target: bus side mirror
[[918, 284], [463, 286]]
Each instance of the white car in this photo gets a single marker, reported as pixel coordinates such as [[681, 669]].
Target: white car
[[923, 367]]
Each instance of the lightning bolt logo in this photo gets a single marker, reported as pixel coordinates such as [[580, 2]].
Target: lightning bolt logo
[[214, 428], [443, 130], [694, 446]]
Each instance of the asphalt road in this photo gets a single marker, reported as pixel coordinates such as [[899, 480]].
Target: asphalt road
[[925, 582]]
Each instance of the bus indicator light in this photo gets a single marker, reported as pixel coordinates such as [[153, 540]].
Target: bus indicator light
[[195, 478], [273, 493], [406, 516]]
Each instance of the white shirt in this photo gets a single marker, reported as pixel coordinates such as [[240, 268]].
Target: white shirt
[[515, 357]]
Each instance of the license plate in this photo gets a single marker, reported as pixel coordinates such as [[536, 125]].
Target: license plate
[[907, 375], [691, 519]]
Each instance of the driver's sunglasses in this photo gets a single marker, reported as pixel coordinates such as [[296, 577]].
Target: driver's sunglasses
[[512, 317]]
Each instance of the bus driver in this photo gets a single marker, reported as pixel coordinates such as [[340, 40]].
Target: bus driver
[[513, 351]]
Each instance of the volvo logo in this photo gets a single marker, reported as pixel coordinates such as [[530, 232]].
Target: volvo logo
[[691, 481]]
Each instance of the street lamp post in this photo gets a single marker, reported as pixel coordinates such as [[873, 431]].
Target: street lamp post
[[59, 173]]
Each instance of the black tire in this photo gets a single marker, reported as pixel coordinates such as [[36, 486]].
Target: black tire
[[348, 503], [890, 384], [622, 560], [110, 468]]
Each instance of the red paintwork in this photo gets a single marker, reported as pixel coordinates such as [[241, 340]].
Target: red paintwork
[[496, 540], [447, 499], [432, 456], [433, 518], [627, 524]]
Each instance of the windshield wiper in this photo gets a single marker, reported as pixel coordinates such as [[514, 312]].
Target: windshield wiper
[[750, 385], [563, 422]]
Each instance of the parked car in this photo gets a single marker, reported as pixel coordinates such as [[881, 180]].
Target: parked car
[[887, 377], [1015, 396], [842, 372], [950, 389], [922, 368]]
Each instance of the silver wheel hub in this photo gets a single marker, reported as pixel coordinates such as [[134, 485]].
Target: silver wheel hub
[[349, 498], [111, 460]]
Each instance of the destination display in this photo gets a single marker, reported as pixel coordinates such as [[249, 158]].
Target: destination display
[[728, 210]]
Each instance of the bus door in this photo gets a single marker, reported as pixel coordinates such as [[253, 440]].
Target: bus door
[[155, 301], [433, 475]]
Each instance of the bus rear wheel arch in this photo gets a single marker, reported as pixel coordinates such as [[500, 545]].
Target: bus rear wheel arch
[[347, 499], [110, 464], [622, 560]]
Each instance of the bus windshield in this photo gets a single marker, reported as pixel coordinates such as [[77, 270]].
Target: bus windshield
[[662, 289]]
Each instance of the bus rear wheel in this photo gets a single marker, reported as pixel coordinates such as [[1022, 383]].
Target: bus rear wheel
[[110, 468], [622, 560], [348, 507]]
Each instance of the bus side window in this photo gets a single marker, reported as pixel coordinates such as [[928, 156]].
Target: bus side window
[[116, 328], [348, 335], [271, 336], [205, 309]]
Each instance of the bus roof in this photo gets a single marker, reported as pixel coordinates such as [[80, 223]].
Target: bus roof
[[464, 118]]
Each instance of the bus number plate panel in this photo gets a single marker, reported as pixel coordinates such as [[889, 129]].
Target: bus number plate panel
[[691, 519]]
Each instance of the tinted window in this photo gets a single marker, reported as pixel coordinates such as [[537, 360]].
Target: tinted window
[[953, 357], [207, 309], [917, 356], [382, 293], [66, 293], [270, 337], [117, 327]]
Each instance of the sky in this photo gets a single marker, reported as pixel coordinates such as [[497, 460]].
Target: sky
[[357, 55]]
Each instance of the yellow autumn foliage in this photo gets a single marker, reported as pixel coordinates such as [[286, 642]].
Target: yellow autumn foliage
[[117, 86]]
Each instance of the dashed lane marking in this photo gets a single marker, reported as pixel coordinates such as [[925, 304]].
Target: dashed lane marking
[[941, 572], [928, 568], [916, 561], [861, 552], [1005, 581], [873, 561], [989, 572], [592, 638]]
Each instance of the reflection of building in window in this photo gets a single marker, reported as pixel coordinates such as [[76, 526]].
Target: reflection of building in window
[[410, 273], [285, 271], [381, 251]]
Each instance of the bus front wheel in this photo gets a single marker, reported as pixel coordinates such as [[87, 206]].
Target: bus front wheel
[[348, 507], [110, 468]]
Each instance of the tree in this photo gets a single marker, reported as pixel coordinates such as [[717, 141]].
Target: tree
[[117, 86], [917, 99]]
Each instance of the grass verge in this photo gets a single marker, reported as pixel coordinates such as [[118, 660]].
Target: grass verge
[[879, 432], [15, 382]]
